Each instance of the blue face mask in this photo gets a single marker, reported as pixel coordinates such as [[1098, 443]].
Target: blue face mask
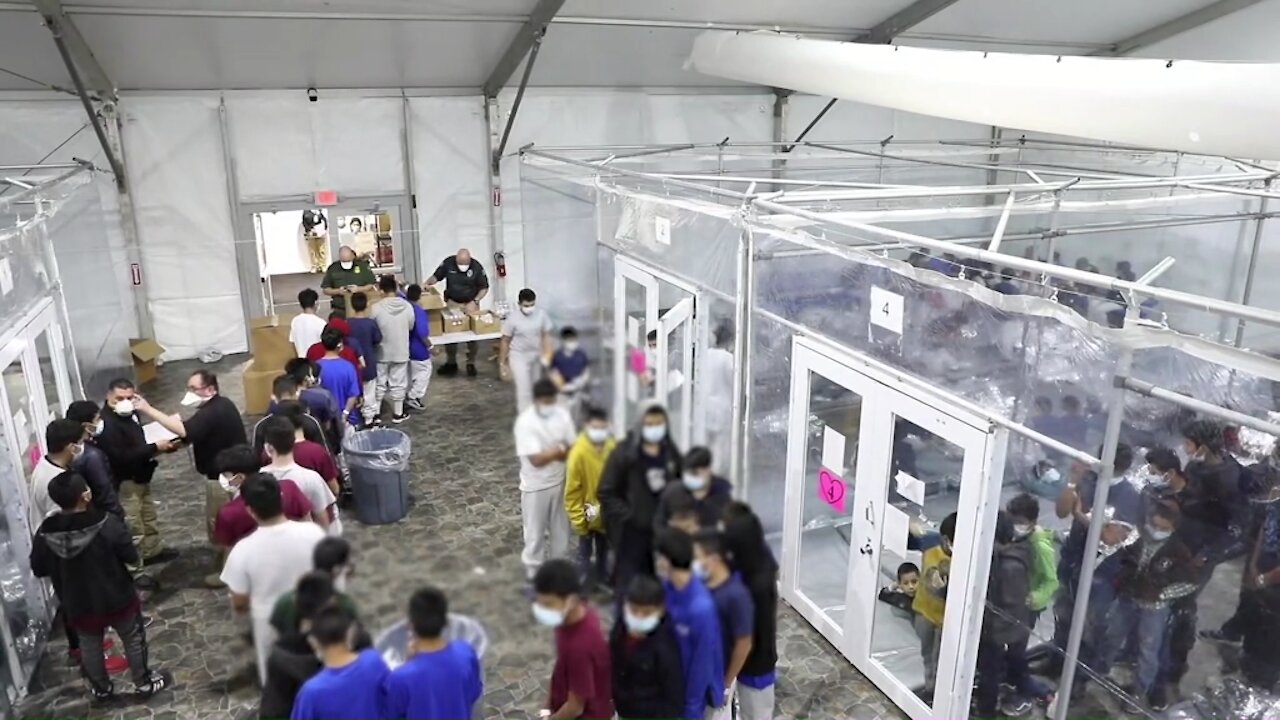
[[654, 433], [694, 482], [640, 625]]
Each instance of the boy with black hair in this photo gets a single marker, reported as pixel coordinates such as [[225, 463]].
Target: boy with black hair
[[581, 681], [420, 365], [332, 557], [682, 514], [350, 687], [543, 435], [368, 336], [64, 438], [441, 680], [92, 462], [697, 624], [395, 319], [308, 452], [710, 493], [305, 329], [583, 470], [268, 563], [648, 679], [902, 593], [930, 602], [752, 559], [281, 438], [1023, 513], [570, 370], [234, 522], [1006, 622], [320, 403], [292, 661], [733, 606], [526, 344], [85, 552], [337, 375]]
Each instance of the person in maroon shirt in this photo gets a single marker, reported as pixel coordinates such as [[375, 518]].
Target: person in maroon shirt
[[582, 679], [349, 352], [306, 453], [234, 523]]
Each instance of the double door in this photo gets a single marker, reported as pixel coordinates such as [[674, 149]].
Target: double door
[[874, 467], [656, 322]]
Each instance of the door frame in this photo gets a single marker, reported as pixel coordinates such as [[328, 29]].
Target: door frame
[[886, 396], [681, 314]]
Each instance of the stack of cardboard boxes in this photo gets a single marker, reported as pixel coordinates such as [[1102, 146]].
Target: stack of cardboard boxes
[[271, 349], [456, 321]]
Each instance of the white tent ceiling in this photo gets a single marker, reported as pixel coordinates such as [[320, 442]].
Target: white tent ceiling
[[455, 44]]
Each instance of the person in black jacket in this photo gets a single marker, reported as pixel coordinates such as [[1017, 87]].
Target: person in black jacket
[[744, 539], [92, 463], [709, 493], [648, 679], [85, 552], [1006, 622], [637, 472], [133, 464]]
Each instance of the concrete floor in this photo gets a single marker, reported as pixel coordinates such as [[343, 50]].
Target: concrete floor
[[463, 535]]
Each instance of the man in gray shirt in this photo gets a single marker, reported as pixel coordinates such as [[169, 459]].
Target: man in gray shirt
[[395, 317], [526, 344]]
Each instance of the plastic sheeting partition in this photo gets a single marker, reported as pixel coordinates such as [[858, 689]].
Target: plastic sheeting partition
[[178, 178]]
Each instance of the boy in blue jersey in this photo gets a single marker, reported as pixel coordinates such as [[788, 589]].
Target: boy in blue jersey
[[350, 687], [734, 607], [420, 366], [441, 680], [366, 334], [337, 375], [693, 611]]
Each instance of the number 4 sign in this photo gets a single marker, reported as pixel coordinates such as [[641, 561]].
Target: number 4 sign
[[886, 309]]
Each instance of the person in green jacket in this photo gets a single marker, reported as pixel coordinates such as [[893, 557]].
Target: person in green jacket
[[1024, 512]]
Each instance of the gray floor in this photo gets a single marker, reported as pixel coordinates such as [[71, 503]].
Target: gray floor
[[463, 535]]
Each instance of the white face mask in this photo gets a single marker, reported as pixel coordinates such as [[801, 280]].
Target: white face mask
[[597, 435], [1022, 531], [347, 264], [1158, 535], [694, 482], [225, 481], [124, 407], [546, 411], [654, 433], [193, 400], [528, 309], [640, 625], [571, 347], [547, 616], [464, 268]]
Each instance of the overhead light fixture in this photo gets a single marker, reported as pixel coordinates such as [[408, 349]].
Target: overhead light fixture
[[1227, 109]]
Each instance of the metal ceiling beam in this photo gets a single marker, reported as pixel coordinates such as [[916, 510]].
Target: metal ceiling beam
[[530, 33], [59, 23], [1176, 26], [903, 20]]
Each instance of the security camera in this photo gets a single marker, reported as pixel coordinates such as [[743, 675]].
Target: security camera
[[312, 95]]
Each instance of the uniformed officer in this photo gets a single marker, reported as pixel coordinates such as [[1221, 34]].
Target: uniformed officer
[[466, 284]]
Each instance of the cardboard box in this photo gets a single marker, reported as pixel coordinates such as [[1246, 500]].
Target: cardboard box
[[145, 352], [435, 318], [456, 321], [269, 342], [485, 323], [431, 299], [257, 388]]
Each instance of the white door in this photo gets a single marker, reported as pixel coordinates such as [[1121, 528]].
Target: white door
[[635, 313], [872, 462], [673, 378]]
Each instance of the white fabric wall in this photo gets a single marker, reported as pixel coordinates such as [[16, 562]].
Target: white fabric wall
[[176, 168]]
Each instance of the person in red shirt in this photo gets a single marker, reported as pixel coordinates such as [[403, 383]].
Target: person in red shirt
[[582, 679], [350, 352], [307, 453], [234, 523]]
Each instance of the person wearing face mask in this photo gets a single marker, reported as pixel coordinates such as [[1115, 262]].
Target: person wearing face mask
[[752, 559], [1220, 515], [582, 677], [585, 465], [466, 284], [233, 521], [92, 463], [86, 553], [648, 680], [710, 493], [693, 613], [637, 472], [65, 440], [1024, 514], [350, 686], [332, 558], [133, 463], [543, 435], [526, 347], [267, 563], [346, 277], [570, 371], [1260, 614], [1006, 623], [734, 607]]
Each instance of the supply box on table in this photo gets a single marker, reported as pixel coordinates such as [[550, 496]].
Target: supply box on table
[[485, 323]]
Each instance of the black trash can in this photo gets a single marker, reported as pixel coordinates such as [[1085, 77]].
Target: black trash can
[[379, 464]]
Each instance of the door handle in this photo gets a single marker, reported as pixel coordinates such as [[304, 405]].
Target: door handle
[[866, 548]]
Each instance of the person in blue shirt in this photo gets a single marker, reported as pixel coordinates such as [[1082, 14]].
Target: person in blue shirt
[[420, 366], [337, 375], [441, 680], [320, 403], [734, 606], [693, 611], [569, 370], [351, 685], [366, 336]]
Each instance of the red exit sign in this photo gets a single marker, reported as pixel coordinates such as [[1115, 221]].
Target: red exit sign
[[326, 198]]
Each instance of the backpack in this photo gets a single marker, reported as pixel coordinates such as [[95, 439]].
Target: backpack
[[1006, 619]]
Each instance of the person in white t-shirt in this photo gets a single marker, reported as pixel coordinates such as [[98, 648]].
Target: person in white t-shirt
[[269, 562], [63, 438], [718, 401], [544, 433], [305, 329], [279, 437]]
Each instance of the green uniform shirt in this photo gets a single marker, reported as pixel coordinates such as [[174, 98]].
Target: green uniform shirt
[[335, 277]]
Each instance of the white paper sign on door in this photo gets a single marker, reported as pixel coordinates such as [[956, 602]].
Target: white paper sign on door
[[886, 309], [662, 230], [910, 488], [897, 525], [833, 450]]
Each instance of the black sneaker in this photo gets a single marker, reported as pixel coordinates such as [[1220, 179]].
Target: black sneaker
[[103, 697], [146, 583], [159, 681], [397, 419], [1160, 698], [414, 404], [1222, 637], [471, 370], [449, 369], [164, 556]]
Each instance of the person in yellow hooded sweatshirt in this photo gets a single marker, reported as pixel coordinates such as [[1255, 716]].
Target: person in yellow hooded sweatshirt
[[930, 602], [586, 463]]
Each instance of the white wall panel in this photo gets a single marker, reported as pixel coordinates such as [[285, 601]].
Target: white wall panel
[[176, 169], [451, 180], [285, 145]]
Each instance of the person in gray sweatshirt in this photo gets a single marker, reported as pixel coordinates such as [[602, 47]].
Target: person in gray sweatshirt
[[395, 318]]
